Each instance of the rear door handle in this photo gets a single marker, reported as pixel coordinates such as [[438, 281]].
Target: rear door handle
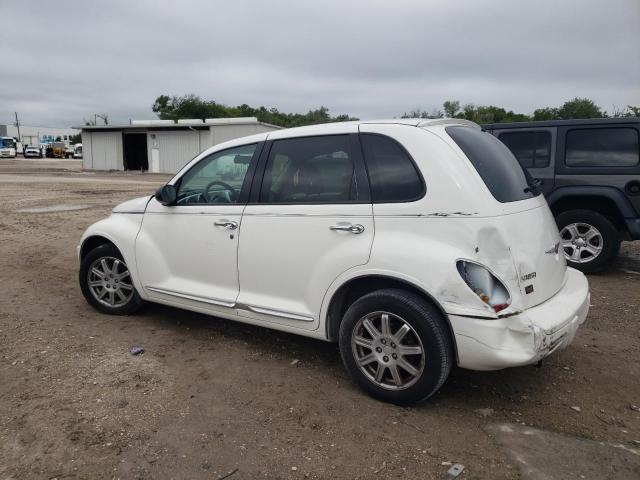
[[348, 227], [228, 224]]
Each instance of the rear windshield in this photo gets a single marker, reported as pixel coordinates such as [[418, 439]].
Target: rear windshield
[[505, 178]]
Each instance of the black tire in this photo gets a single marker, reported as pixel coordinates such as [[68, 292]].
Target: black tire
[[608, 231], [427, 324], [107, 251]]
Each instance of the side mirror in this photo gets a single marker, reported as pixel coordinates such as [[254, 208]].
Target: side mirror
[[167, 195]]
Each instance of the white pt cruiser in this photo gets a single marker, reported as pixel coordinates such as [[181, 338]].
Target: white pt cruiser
[[415, 244]]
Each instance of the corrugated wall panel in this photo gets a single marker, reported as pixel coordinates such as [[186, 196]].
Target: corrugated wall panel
[[176, 149], [87, 159], [106, 151], [223, 133]]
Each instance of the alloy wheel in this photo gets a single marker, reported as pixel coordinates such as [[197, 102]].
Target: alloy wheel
[[581, 242], [388, 350], [109, 281]]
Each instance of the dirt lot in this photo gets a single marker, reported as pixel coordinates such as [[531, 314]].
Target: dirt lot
[[211, 397]]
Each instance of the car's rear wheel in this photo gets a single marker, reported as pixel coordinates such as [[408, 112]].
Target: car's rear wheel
[[589, 240], [396, 346], [106, 282]]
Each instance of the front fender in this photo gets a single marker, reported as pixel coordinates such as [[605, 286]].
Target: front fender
[[121, 230]]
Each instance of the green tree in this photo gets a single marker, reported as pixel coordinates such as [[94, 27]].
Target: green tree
[[546, 113], [75, 138], [192, 106], [419, 113], [490, 114], [451, 108], [632, 111], [580, 108]]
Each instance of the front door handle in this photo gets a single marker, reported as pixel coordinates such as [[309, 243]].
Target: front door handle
[[348, 227], [228, 224]]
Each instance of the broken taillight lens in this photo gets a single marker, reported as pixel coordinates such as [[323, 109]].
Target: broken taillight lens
[[484, 284]]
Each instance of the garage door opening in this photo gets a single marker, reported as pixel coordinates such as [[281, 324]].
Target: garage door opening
[[135, 151]]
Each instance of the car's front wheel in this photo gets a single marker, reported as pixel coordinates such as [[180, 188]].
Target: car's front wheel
[[106, 282], [396, 346]]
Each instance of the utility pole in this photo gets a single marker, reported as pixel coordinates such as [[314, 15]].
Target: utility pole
[[18, 127]]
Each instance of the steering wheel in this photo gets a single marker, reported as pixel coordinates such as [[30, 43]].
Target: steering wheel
[[209, 199]]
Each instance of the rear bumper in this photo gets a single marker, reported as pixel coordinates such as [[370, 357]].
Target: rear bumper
[[527, 337]]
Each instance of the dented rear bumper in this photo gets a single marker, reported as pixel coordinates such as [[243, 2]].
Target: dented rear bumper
[[526, 337]]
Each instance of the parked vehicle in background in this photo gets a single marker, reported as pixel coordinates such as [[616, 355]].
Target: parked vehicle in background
[[77, 150], [32, 152], [277, 229], [57, 150], [7, 147], [589, 170]]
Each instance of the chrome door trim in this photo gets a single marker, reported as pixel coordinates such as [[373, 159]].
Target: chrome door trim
[[239, 306], [275, 313], [211, 301], [273, 214]]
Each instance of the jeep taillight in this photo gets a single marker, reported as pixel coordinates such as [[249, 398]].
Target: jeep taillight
[[484, 284]]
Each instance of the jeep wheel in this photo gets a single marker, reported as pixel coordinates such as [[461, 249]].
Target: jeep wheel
[[396, 346], [589, 240]]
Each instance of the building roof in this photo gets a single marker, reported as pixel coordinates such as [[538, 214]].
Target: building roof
[[185, 123]]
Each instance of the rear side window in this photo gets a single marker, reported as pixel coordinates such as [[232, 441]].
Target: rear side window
[[532, 149], [501, 172], [602, 147], [392, 173], [310, 170]]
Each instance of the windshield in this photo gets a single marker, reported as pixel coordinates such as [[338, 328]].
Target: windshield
[[8, 143], [499, 169]]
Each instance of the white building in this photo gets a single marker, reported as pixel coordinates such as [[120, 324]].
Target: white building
[[32, 135], [162, 146]]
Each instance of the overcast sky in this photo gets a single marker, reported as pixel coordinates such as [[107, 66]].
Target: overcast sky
[[64, 60]]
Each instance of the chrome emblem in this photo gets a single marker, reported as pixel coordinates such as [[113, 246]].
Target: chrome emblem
[[554, 250]]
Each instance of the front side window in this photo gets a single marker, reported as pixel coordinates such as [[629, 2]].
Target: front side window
[[310, 170], [499, 169], [532, 149], [392, 174], [602, 147], [217, 178]]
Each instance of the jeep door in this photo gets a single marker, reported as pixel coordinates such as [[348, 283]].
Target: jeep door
[[604, 155], [187, 253], [309, 220]]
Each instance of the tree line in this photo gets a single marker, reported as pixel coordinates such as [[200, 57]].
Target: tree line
[[575, 108], [192, 106]]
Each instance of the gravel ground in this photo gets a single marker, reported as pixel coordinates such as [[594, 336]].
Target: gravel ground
[[211, 397]]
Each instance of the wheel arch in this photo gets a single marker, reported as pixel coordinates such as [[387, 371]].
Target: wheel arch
[[353, 288], [94, 241], [608, 201]]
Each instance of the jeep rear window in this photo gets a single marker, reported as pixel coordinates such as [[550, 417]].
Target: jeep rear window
[[499, 169], [602, 147]]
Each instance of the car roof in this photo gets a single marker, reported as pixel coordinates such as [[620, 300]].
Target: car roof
[[333, 127]]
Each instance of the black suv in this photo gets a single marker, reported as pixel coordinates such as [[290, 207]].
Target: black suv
[[589, 171]]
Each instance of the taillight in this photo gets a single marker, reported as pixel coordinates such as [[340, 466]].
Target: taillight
[[484, 284]]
